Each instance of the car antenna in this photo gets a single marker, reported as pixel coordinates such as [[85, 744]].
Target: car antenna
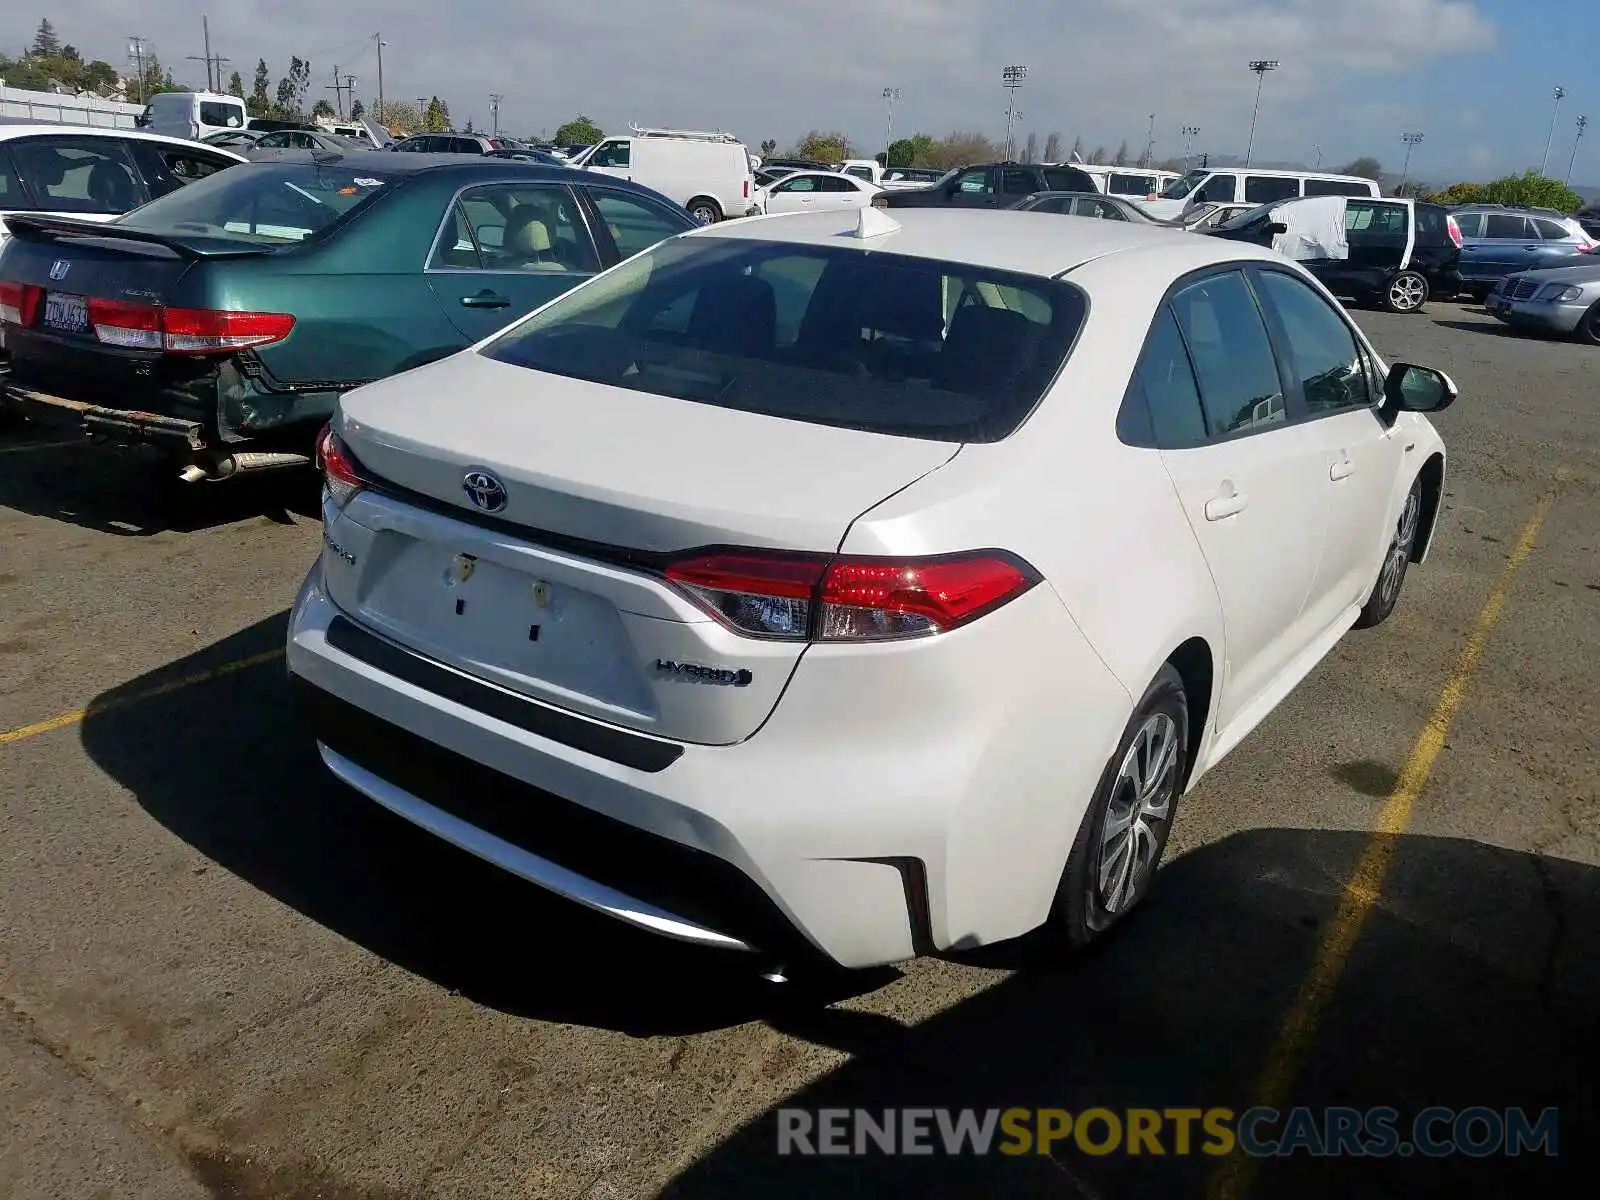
[[874, 222]]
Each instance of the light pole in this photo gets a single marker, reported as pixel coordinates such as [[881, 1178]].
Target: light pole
[[1190, 132], [1260, 66], [1011, 79], [1316, 157], [494, 110], [1583, 123], [1412, 141], [890, 95], [1150, 143], [1559, 93]]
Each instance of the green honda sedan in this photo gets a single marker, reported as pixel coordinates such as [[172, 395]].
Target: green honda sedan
[[221, 322]]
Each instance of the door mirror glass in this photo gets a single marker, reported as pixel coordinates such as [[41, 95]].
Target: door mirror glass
[[1418, 389]]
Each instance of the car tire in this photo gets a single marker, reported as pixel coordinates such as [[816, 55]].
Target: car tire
[[1588, 329], [704, 210], [1124, 832], [1407, 293], [1396, 558]]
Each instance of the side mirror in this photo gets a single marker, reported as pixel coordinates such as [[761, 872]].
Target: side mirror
[[1410, 388], [1276, 228]]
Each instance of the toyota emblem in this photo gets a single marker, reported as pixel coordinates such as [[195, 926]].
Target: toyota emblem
[[484, 490], [59, 269]]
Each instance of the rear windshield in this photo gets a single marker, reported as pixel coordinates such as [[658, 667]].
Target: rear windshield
[[220, 112], [261, 202], [872, 341]]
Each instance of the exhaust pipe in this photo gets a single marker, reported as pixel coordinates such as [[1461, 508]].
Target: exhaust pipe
[[217, 469]]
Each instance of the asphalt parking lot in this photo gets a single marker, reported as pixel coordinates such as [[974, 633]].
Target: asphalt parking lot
[[222, 975]]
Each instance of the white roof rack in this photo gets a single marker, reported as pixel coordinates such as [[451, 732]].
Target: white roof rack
[[700, 135]]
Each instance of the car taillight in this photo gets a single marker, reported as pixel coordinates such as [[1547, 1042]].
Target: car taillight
[[18, 302], [799, 598], [341, 474], [747, 189], [1455, 231], [139, 326]]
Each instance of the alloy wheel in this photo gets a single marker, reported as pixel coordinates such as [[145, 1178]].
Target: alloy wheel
[[1394, 566], [1141, 801], [1407, 293]]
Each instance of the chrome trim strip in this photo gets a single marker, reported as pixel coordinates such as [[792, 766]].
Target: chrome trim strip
[[520, 862]]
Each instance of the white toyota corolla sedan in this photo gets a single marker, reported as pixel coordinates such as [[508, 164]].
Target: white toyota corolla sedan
[[854, 586]]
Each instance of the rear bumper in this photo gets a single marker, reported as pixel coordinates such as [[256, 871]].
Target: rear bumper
[[869, 821], [113, 423]]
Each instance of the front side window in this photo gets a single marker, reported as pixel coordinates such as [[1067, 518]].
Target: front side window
[[1327, 362], [1178, 189], [880, 342], [799, 183], [78, 174], [611, 154], [276, 140], [1375, 218], [1233, 359], [636, 224], [1218, 187], [262, 202]]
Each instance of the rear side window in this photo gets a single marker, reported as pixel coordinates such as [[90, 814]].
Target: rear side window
[[1471, 224], [219, 112], [1131, 185], [1504, 225], [1268, 189], [1016, 182], [1065, 179], [1233, 360], [10, 184], [1336, 187], [1551, 231], [878, 342], [78, 174], [1164, 381], [261, 202]]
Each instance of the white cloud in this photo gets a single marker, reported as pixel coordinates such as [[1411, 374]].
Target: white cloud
[[774, 68]]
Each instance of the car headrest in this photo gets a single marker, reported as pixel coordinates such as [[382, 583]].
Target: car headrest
[[736, 314], [985, 349], [109, 185], [526, 232]]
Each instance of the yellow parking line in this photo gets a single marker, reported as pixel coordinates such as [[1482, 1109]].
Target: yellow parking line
[[41, 446], [62, 720], [1299, 1028]]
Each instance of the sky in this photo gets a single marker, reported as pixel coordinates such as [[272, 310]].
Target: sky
[[1474, 76]]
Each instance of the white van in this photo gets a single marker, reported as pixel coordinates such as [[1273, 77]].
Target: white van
[[192, 115], [708, 173], [1131, 183], [1251, 185]]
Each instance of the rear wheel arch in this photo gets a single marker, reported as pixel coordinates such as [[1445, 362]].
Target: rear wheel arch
[[1432, 477], [1195, 665]]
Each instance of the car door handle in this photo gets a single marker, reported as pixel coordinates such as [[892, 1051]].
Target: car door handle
[[486, 299], [1220, 508], [1342, 469]]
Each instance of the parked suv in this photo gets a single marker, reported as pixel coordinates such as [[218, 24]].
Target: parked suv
[[450, 143], [1499, 240], [990, 185], [1395, 253]]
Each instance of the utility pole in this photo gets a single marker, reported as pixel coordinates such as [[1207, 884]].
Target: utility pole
[[136, 52], [1559, 93], [1150, 144], [1011, 79], [1412, 141], [494, 111], [890, 95], [205, 36], [1260, 66], [1316, 157], [378, 37], [1583, 123], [1190, 132], [337, 89]]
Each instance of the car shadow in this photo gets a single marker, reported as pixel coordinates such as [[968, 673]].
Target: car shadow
[[228, 767], [131, 494], [1475, 982], [1499, 329]]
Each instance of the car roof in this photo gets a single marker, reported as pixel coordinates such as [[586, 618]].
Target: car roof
[[395, 163], [1006, 240], [33, 130]]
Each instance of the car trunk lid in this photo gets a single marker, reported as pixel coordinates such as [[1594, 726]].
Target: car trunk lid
[[556, 588]]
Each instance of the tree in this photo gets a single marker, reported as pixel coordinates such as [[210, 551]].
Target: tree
[[236, 85], [830, 147], [292, 87], [1052, 148], [1459, 193], [959, 149], [70, 53], [357, 109], [260, 102], [1363, 168], [469, 128], [769, 147], [437, 118], [45, 42], [1077, 150], [1097, 155], [580, 131], [1121, 160], [1030, 149], [913, 151], [1534, 190], [322, 109], [395, 116]]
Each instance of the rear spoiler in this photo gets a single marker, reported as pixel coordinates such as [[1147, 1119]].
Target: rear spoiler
[[34, 227]]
